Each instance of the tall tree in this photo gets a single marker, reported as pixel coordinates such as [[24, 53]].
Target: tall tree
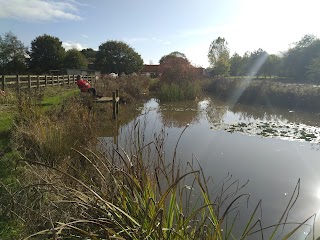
[[75, 60], [175, 68], [313, 70], [272, 66], [298, 58], [118, 57], [236, 65], [256, 62], [46, 54], [174, 55], [12, 55], [218, 56]]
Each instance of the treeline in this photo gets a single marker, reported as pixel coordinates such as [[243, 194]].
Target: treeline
[[47, 53], [301, 62]]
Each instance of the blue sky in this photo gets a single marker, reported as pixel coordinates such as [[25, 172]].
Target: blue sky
[[155, 28]]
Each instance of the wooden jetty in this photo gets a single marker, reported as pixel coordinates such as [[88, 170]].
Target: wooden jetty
[[114, 100]]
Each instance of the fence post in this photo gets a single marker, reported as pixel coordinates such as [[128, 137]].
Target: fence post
[[68, 79], [117, 101], [38, 82], [46, 80], [29, 81], [18, 84], [52, 79], [58, 82], [3, 82], [114, 105], [73, 78]]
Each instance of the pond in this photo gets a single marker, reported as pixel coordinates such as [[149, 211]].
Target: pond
[[268, 147]]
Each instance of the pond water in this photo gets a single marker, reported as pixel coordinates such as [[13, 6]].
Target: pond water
[[272, 148]]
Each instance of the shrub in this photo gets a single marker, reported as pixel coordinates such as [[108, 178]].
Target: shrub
[[131, 87], [174, 92], [177, 70]]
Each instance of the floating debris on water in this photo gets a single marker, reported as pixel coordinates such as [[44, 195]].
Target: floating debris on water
[[287, 131]]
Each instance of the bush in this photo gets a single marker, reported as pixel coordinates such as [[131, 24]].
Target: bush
[[131, 87], [174, 92], [49, 136]]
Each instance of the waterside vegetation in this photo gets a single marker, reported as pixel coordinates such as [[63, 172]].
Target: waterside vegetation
[[60, 185]]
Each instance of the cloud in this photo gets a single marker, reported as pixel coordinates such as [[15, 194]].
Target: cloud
[[39, 10], [71, 45]]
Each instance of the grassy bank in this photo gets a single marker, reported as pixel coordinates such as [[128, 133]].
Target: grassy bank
[[68, 188], [267, 92], [10, 226]]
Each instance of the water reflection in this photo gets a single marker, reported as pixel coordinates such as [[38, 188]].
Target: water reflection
[[219, 112], [179, 114], [272, 165], [263, 121]]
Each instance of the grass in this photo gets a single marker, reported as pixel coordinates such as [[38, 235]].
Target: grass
[[10, 227], [179, 92]]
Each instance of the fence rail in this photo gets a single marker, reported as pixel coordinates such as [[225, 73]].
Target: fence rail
[[37, 81]]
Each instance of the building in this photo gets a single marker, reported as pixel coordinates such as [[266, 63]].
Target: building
[[150, 70], [153, 70], [82, 72]]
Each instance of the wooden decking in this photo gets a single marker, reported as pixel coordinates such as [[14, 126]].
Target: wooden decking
[[106, 99], [114, 100]]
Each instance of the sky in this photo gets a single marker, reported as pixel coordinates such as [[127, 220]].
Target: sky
[[155, 28]]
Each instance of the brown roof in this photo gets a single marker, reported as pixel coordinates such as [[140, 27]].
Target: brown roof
[[150, 69]]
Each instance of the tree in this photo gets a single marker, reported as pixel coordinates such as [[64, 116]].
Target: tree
[[118, 57], [273, 65], [89, 53], [75, 60], [245, 62], [313, 72], [219, 57], [236, 65], [174, 55], [176, 69], [46, 54], [12, 55], [256, 62], [298, 58]]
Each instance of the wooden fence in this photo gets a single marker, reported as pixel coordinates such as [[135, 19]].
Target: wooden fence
[[19, 82]]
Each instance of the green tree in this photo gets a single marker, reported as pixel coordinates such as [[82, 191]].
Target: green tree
[[299, 58], [176, 69], [218, 56], [118, 57], [46, 54], [75, 60], [12, 54], [174, 55], [313, 70], [245, 62], [256, 62], [272, 66], [236, 65], [89, 53]]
